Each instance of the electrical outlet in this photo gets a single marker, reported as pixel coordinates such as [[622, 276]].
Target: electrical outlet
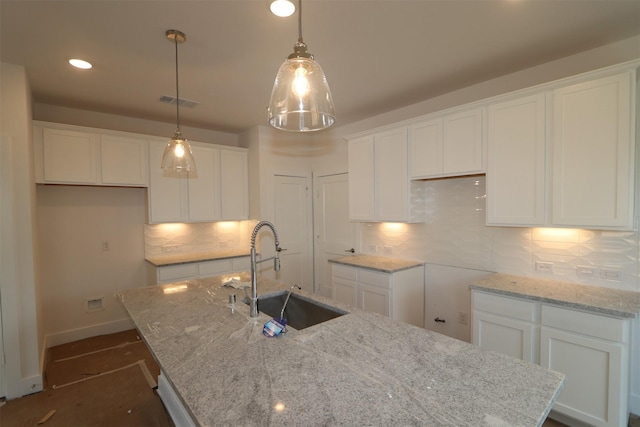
[[388, 250], [106, 245], [224, 244], [373, 248], [610, 274], [586, 271], [544, 267], [463, 318]]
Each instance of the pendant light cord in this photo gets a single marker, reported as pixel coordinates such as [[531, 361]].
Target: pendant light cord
[[300, 21], [177, 88]]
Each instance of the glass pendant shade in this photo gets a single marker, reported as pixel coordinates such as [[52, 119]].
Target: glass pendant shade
[[301, 100], [177, 155]]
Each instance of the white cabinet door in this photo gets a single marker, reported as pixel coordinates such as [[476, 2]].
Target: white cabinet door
[[515, 338], [167, 189], [425, 148], [124, 160], [516, 162], [592, 367], [462, 143], [374, 299], [361, 183], [391, 176], [345, 291], [203, 185], [70, 156], [506, 325], [234, 185], [593, 352], [593, 153]]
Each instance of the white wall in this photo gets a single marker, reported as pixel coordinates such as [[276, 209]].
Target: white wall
[[21, 324], [73, 222]]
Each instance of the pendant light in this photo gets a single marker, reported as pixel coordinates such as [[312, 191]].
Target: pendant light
[[300, 99], [177, 153]]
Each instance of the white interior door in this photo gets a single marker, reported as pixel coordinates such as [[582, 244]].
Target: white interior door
[[335, 235], [293, 222]]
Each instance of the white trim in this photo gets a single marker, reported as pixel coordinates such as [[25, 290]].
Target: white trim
[[71, 335]]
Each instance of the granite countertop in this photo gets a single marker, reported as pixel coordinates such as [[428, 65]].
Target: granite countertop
[[613, 302], [357, 369], [379, 263], [184, 258]]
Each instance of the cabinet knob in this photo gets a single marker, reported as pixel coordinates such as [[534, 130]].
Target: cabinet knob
[[282, 249], [439, 320], [351, 250]]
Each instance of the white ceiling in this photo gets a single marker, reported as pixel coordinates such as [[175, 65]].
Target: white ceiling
[[378, 55]]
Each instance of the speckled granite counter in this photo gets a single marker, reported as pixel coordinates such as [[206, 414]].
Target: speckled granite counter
[[358, 369], [385, 264], [183, 258], [608, 301]]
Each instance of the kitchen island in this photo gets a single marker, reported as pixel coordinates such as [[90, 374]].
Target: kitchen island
[[357, 369]]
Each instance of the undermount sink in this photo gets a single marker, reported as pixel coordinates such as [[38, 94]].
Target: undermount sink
[[300, 312]]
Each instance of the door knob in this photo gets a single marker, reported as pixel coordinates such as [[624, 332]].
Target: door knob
[[351, 250]]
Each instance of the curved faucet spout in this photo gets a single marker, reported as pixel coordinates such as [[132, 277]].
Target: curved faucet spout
[[253, 302]]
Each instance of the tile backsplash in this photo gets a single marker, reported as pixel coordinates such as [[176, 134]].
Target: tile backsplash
[[164, 239], [454, 233]]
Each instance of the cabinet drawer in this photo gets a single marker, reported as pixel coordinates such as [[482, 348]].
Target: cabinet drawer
[[177, 272], [505, 306], [595, 325], [212, 268], [344, 272], [382, 280]]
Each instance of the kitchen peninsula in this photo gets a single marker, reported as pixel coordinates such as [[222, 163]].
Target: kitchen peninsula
[[358, 369]]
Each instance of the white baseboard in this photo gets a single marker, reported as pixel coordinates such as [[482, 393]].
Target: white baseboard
[[71, 335]]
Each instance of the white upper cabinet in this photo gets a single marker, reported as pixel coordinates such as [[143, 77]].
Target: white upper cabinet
[[450, 145], [361, 183], [565, 156], [204, 185], [65, 154], [216, 191], [124, 160], [516, 161], [379, 185], [234, 185], [391, 179], [594, 152], [167, 194], [69, 156]]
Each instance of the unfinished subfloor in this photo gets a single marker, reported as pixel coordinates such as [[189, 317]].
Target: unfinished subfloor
[[106, 381]]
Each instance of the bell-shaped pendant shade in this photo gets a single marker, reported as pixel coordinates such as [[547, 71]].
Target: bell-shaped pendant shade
[[301, 100], [177, 155]]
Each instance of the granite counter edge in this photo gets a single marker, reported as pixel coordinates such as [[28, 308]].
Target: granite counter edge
[[555, 301]]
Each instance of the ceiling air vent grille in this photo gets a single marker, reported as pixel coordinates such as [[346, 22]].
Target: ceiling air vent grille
[[183, 102]]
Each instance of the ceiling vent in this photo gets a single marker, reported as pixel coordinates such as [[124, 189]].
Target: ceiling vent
[[183, 102]]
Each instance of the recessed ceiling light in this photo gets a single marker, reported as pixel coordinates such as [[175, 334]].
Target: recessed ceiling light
[[282, 7], [79, 63]]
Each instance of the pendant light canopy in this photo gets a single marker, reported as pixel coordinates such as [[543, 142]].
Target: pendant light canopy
[[177, 153], [301, 100]]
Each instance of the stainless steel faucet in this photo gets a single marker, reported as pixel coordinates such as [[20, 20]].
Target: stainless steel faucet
[[253, 301]]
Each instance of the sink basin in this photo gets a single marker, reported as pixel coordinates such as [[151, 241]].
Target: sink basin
[[300, 312]]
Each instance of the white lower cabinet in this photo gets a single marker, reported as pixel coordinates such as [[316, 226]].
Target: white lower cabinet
[[398, 295], [179, 414], [592, 350], [197, 270], [506, 325]]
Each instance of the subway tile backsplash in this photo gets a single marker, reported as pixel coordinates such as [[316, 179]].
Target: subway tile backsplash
[[161, 239], [454, 233]]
